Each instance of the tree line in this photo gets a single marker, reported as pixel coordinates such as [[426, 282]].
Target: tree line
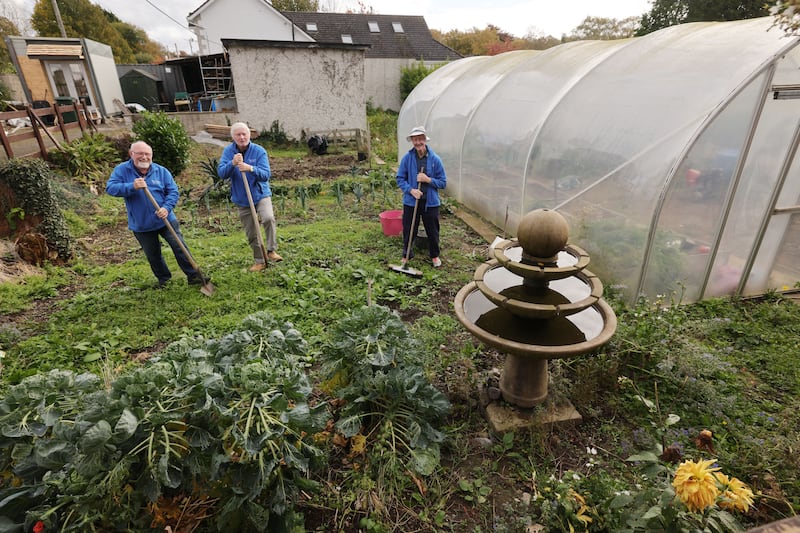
[[663, 13]]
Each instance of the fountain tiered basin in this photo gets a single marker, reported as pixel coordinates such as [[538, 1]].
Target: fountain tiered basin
[[535, 301]]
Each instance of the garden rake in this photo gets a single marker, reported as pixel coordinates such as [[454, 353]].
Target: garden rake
[[254, 214], [404, 268], [205, 287]]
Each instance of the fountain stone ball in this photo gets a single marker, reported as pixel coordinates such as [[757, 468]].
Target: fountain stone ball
[[543, 233]]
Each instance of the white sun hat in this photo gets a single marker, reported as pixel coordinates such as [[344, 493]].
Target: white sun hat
[[418, 130]]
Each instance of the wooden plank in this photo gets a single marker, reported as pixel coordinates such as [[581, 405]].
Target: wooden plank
[[83, 122], [224, 132], [35, 117], [24, 136], [14, 114], [6, 143], [55, 49], [38, 135], [60, 121]]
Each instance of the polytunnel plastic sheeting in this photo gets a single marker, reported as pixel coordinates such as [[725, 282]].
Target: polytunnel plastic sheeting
[[610, 219], [415, 110], [695, 201], [456, 104], [644, 93], [496, 155], [606, 131]]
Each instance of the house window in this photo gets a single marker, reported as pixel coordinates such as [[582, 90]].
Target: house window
[[61, 82], [397, 27], [374, 28], [311, 26], [78, 79], [347, 39]]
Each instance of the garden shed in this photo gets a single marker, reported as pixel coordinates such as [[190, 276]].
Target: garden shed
[[142, 88], [672, 155]]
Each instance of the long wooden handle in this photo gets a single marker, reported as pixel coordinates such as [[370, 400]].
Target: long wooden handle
[[172, 230], [254, 214], [411, 231]]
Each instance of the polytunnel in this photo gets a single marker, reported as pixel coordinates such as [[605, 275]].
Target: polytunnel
[[672, 155]]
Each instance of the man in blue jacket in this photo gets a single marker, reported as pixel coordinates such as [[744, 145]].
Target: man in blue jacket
[[148, 224], [421, 176], [242, 156]]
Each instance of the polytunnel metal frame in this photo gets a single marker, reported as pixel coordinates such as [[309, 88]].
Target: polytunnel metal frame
[[767, 70], [768, 66], [767, 87], [732, 186], [772, 211]]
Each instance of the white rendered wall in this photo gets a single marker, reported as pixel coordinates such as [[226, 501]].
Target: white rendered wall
[[305, 89], [223, 20]]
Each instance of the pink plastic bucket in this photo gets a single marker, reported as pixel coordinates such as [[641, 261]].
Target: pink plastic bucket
[[392, 222], [691, 176]]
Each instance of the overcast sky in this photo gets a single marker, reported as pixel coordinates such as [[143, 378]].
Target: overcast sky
[[165, 20]]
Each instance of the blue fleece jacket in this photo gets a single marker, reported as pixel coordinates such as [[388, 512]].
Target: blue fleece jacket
[[141, 212], [407, 177], [258, 179]]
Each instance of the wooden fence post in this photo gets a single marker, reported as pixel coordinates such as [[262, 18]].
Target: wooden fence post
[[36, 132], [6, 143]]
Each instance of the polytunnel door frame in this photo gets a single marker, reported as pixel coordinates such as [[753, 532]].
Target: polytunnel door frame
[[732, 186], [773, 210]]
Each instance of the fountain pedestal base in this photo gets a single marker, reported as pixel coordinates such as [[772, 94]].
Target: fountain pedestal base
[[504, 417], [524, 381]]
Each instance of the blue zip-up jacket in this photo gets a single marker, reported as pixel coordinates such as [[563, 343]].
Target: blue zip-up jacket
[[258, 179], [407, 177], [141, 212]]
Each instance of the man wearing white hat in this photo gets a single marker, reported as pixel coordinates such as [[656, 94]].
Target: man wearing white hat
[[421, 176]]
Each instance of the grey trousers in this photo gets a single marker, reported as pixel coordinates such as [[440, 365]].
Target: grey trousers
[[251, 229]]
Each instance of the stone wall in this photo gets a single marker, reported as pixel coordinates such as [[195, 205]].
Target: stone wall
[[195, 121], [11, 81]]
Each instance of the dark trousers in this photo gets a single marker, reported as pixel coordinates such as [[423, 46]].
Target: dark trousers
[[151, 246], [430, 221]]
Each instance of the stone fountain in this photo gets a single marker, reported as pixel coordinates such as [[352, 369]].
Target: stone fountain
[[535, 301]]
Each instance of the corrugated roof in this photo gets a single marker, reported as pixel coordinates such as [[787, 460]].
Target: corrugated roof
[[414, 42]]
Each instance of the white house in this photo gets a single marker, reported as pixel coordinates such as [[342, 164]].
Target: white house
[[215, 20]]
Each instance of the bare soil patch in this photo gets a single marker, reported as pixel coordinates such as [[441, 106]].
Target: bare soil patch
[[324, 167]]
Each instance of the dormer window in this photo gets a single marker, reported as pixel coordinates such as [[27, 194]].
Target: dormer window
[[374, 28], [311, 26], [397, 27], [347, 39]]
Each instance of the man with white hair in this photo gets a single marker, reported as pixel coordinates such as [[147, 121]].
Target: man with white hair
[[147, 224], [243, 158]]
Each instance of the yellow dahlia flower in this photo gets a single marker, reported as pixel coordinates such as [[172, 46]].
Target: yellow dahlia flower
[[695, 484], [736, 496]]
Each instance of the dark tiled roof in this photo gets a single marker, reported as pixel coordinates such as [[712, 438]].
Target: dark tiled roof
[[414, 42]]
